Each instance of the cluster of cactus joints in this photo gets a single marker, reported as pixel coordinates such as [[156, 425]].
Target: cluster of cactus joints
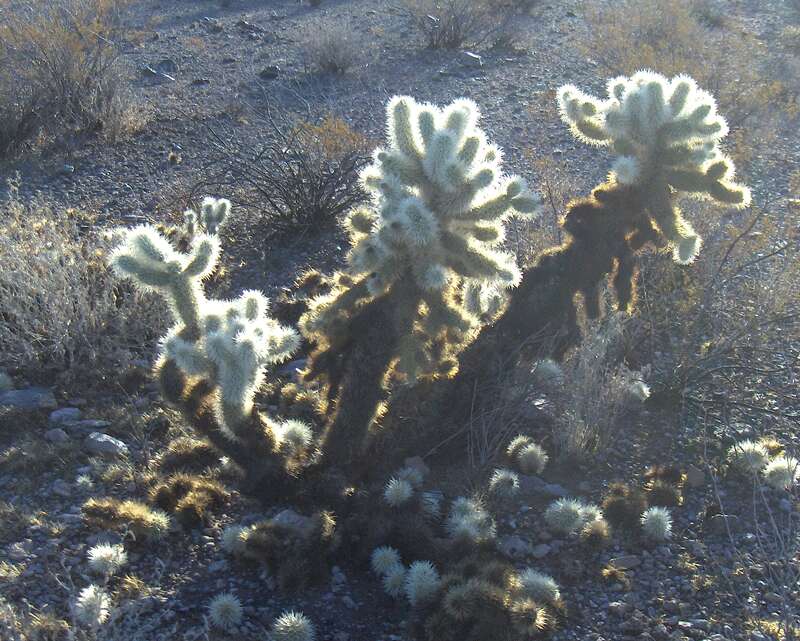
[[425, 253], [214, 358], [190, 498], [483, 598], [297, 553], [666, 134], [137, 519], [604, 234]]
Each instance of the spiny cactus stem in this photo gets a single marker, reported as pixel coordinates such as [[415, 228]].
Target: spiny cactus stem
[[187, 307], [376, 331]]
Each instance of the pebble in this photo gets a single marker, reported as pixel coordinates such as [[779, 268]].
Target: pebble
[[64, 415], [56, 435], [32, 398], [540, 551]]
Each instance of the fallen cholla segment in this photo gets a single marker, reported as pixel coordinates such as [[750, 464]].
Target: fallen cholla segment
[[666, 134]]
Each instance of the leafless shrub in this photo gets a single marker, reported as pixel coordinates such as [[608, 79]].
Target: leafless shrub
[[302, 176], [596, 389], [60, 70], [331, 50], [452, 24], [63, 313]]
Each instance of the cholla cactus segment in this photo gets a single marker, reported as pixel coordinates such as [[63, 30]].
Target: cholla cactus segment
[[154, 264], [532, 459], [503, 483], [294, 436], [422, 583], [516, 445], [468, 520], [293, 626], [230, 342], [539, 586], [107, 559], [440, 200], [92, 607], [397, 492], [394, 581], [233, 539], [666, 133], [225, 611], [657, 524], [782, 472], [564, 516], [748, 457], [384, 559], [590, 512], [640, 391]]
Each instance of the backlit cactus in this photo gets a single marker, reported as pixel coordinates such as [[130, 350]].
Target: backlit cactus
[[227, 344], [425, 268], [666, 134], [440, 201]]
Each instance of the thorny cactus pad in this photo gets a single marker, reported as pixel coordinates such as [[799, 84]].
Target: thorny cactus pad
[[666, 134]]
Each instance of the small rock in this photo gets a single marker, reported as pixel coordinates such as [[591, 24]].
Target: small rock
[[292, 519], [514, 546], [56, 435], [618, 608], [271, 73], [556, 490], [105, 445], [85, 426], [6, 383], [32, 398], [62, 488], [64, 415], [166, 65], [695, 477], [626, 562], [540, 551]]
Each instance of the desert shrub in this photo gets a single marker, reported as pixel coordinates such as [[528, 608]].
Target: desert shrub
[[673, 38], [302, 176], [596, 389], [60, 70], [451, 24], [63, 313], [331, 50]]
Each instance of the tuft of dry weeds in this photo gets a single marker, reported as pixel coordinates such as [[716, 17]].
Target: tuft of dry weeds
[[60, 71], [64, 315]]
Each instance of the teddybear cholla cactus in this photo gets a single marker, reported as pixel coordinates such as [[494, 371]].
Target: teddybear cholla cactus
[[424, 254], [666, 134], [222, 346]]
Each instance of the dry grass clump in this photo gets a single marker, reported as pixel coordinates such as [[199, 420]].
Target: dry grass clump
[[63, 314], [596, 390], [60, 70], [449, 24], [691, 38], [332, 50]]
